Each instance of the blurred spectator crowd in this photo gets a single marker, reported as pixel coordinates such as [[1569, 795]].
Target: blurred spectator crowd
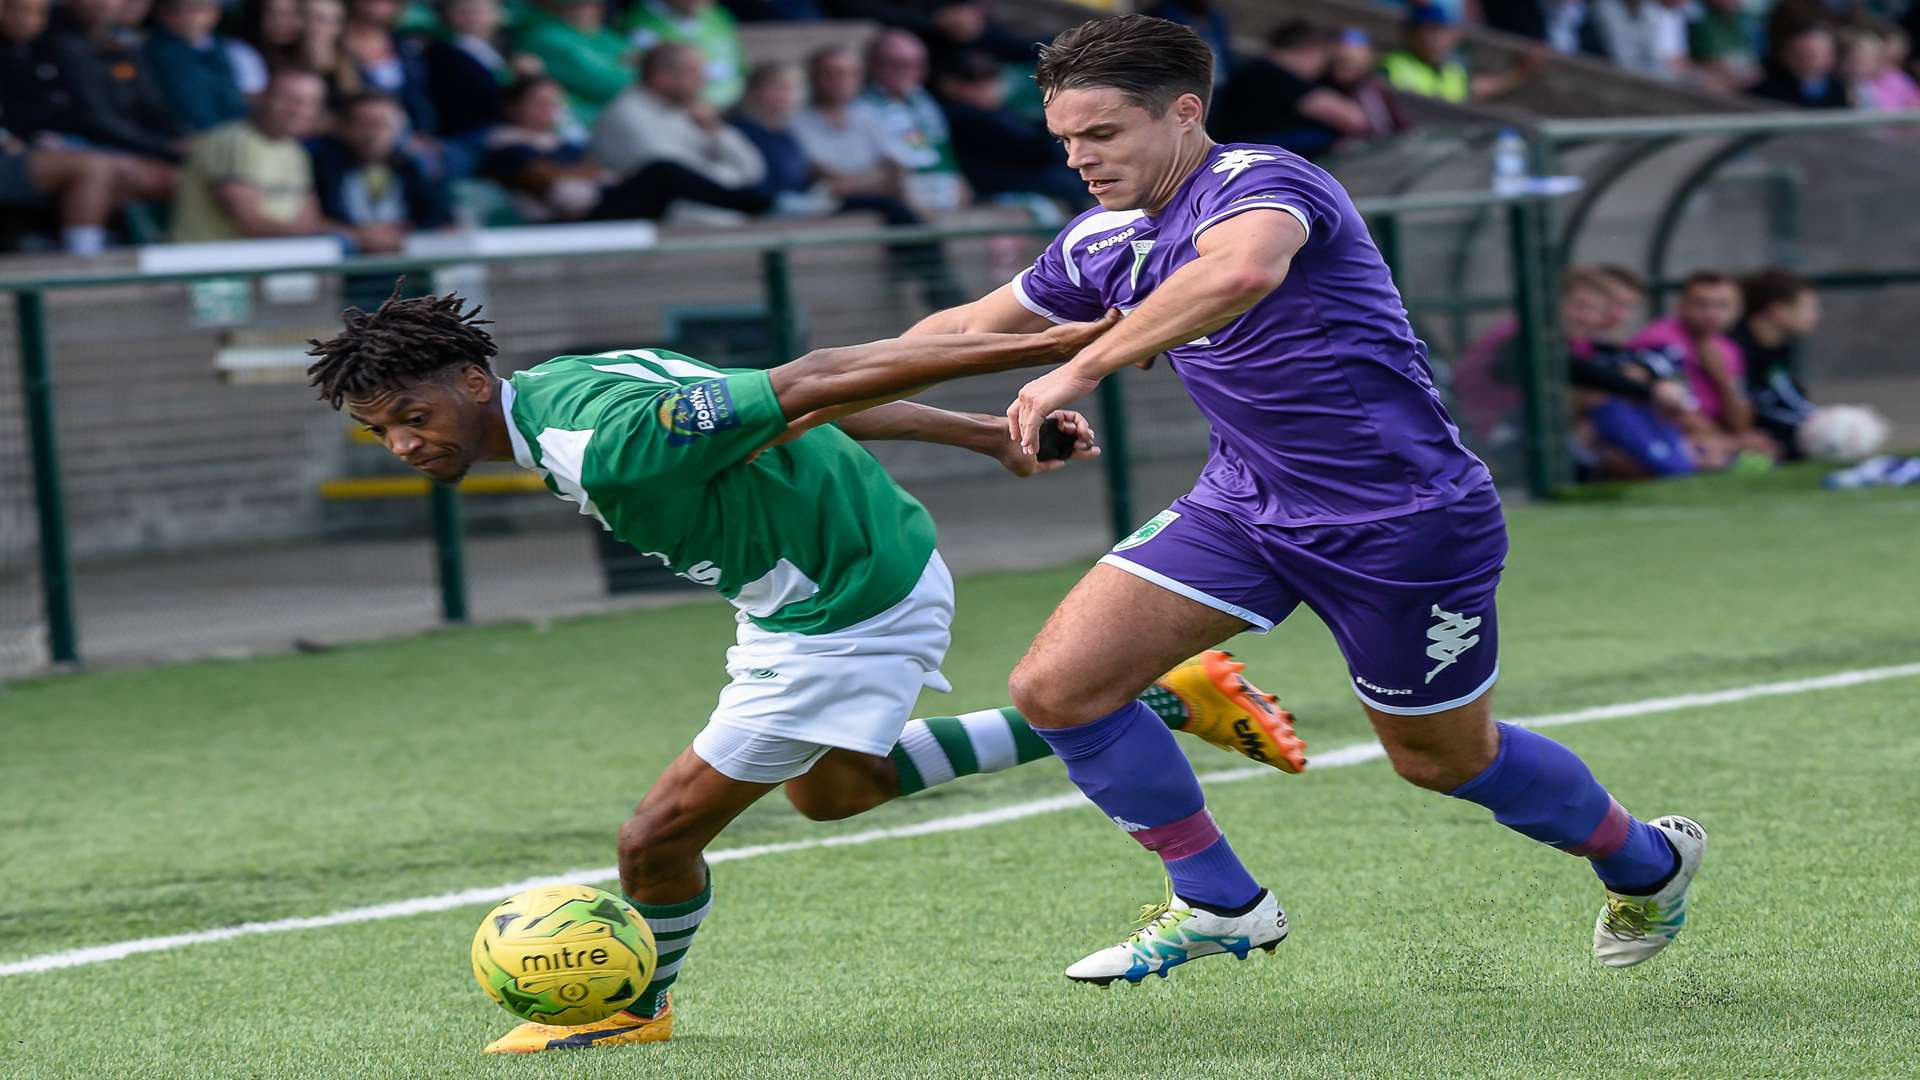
[[1830, 54], [1717, 383], [206, 120], [368, 120], [1826, 54]]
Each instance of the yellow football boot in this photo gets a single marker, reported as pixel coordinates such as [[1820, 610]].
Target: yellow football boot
[[616, 1030], [1228, 711]]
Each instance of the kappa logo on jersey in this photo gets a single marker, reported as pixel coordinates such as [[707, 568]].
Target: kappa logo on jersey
[[1148, 531], [1448, 634], [1235, 162], [1106, 242], [697, 410]]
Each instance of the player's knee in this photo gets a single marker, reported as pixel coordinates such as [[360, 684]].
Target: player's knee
[[1045, 703], [1429, 769], [653, 845]]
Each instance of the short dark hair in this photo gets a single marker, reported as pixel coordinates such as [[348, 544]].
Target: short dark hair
[[281, 72], [405, 342], [1707, 277], [1773, 285], [767, 70], [1152, 61], [654, 59], [970, 66], [518, 90], [1298, 34], [362, 98]]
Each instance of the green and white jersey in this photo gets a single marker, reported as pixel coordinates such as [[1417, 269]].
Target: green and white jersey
[[808, 537]]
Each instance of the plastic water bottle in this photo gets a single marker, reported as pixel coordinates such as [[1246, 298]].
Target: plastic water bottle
[[1509, 163]]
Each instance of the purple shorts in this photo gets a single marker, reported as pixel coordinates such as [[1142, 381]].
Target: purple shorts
[[1409, 599]]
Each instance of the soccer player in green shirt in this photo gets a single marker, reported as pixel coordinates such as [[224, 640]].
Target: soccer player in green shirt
[[752, 482]]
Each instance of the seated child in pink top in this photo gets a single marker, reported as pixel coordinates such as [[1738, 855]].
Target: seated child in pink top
[[1874, 61], [1696, 336]]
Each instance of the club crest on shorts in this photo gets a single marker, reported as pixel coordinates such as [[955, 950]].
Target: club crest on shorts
[[1448, 635], [1148, 531]]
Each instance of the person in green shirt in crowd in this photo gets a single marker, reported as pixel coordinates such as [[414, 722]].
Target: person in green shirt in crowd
[[706, 26], [589, 61], [1721, 42], [911, 124]]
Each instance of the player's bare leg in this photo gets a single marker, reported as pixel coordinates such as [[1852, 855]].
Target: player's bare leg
[[843, 783], [1106, 643], [663, 874], [1541, 790], [1078, 685], [1440, 751]]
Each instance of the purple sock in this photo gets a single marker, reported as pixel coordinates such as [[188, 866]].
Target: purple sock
[[1128, 763], [1538, 788]]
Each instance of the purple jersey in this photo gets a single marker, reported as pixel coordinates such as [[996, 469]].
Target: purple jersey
[[1321, 404]]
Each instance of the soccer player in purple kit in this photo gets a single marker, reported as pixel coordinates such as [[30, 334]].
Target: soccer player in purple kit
[[1335, 479]]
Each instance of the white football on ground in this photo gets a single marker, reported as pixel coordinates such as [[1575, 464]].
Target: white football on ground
[[1842, 433]]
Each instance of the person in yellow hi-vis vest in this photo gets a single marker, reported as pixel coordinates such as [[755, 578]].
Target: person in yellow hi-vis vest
[[1429, 63]]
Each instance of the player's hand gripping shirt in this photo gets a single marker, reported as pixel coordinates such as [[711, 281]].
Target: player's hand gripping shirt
[[1321, 403], [808, 537]]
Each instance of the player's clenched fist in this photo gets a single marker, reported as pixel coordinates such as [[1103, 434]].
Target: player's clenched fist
[[1069, 438], [1042, 398]]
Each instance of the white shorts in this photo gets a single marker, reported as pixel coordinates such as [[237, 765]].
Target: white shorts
[[795, 696]]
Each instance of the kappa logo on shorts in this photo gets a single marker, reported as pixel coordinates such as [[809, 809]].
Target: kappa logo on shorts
[[1384, 691], [1448, 635], [1148, 531]]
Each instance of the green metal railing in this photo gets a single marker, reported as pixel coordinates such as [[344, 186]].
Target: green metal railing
[[1525, 215]]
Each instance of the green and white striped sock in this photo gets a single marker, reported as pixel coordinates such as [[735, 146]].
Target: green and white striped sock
[[942, 748], [673, 927]]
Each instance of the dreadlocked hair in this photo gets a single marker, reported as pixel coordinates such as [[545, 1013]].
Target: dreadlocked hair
[[404, 342]]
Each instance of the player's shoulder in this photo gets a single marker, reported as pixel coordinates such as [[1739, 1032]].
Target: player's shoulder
[[1242, 176], [1095, 233], [577, 389], [621, 367], [1235, 170]]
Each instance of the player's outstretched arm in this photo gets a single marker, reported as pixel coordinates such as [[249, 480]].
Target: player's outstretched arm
[[911, 421], [1242, 259], [827, 384], [998, 312]]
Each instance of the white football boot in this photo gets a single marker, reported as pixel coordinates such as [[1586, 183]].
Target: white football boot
[[1175, 932], [1633, 929]]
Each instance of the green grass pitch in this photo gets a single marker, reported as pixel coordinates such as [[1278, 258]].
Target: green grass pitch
[[1427, 941]]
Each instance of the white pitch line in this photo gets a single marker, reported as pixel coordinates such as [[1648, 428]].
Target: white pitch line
[[1354, 754]]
